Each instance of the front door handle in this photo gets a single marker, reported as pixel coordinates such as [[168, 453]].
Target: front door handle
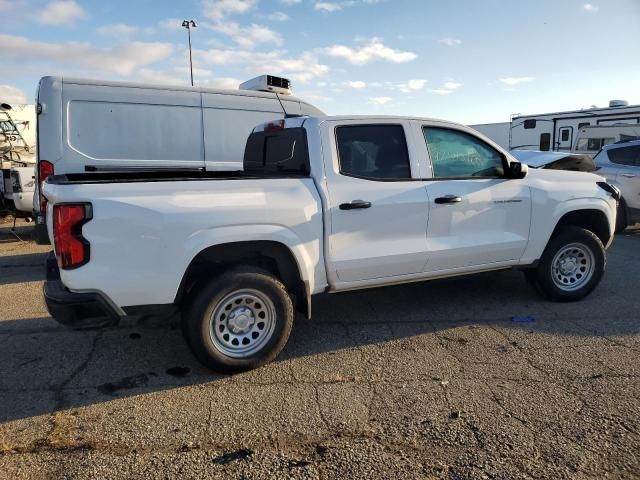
[[355, 204], [448, 199], [628, 175]]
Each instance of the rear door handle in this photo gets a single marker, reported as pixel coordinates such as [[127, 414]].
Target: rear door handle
[[355, 204], [448, 199], [628, 175]]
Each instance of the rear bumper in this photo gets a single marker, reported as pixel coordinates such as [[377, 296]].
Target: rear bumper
[[76, 310]]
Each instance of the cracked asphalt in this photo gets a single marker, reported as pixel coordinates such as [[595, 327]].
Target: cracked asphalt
[[430, 380]]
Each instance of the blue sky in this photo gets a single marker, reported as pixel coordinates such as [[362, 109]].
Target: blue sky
[[470, 61]]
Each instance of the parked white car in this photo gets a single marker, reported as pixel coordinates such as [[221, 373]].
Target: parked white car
[[620, 164], [23, 181], [323, 205], [96, 125]]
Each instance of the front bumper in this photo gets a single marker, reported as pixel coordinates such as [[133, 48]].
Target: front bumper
[[76, 310]]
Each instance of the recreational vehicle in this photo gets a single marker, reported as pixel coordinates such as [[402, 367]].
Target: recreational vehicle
[[558, 131], [591, 139]]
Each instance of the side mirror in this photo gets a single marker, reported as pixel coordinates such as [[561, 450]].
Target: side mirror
[[517, 170]]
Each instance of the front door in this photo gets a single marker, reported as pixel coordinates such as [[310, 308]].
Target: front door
[[378, 212], [477, 217]]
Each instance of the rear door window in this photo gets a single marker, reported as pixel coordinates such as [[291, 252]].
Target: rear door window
[[373, 152], [625, 155]]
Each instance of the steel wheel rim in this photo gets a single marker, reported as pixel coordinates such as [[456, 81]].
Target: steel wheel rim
[[242, 323], [572, 267]]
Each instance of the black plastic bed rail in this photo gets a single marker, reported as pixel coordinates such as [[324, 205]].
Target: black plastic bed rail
[[134, 176]]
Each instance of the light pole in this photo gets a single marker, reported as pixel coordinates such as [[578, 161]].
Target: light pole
[[189, 24]]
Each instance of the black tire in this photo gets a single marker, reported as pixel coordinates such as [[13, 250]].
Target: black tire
[[621, 217], [544, 279], [208, 345]]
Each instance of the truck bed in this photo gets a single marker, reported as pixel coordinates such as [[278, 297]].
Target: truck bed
[[149, 227]]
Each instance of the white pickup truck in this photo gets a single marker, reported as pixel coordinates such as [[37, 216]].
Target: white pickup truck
[[323, 205]]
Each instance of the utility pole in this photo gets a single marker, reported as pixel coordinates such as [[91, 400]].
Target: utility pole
[[189, 24]]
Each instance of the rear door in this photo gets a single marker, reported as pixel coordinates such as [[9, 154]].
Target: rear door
[[477, 216], [627, 159], [377, 205], [565, 139]]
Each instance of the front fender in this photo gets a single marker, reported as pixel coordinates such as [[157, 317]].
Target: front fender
[[544, 222]]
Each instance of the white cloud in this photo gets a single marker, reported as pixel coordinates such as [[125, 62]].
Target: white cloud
[[327, 7], [291, 2], [441, 91], [373, 50], [380, 100], [180, 76], [589, 7], [411, 85], [450, 41], [447, 88], [12, 95], [121, 59], [513, 81], [357, 84], [278, 17], [302, 68], [248, 37], [62, 12], [452, 85], [122, 30], [217, 10]]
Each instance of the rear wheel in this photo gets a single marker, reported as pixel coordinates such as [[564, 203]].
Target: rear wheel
[[239, 321], [571, 266]]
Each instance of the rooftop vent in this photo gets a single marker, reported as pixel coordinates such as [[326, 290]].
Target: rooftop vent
[[618, 103], [268, 83]]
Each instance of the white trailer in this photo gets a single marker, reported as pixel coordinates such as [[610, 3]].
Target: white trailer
[[498, 132], [557, 131]]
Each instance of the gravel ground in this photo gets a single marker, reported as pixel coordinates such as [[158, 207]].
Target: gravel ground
[[430, 380]]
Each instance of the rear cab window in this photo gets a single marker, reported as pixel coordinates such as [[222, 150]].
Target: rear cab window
[[373, 152]]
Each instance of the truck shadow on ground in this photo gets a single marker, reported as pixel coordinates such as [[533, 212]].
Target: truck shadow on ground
[[21, 268], [45, 368]]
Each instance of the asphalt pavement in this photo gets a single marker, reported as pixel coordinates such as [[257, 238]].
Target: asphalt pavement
[[428, 380]]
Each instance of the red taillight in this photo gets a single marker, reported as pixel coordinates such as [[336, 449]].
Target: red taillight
[[72, 250], [274, 126], [45, 169]]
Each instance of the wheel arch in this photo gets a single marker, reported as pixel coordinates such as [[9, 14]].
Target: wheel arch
[[269, 255], [591, 219]]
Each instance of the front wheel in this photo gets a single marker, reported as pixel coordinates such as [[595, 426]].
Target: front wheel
[[571, 266], [239, 321]]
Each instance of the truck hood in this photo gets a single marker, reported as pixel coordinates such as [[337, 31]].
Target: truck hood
[[564, 176]]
